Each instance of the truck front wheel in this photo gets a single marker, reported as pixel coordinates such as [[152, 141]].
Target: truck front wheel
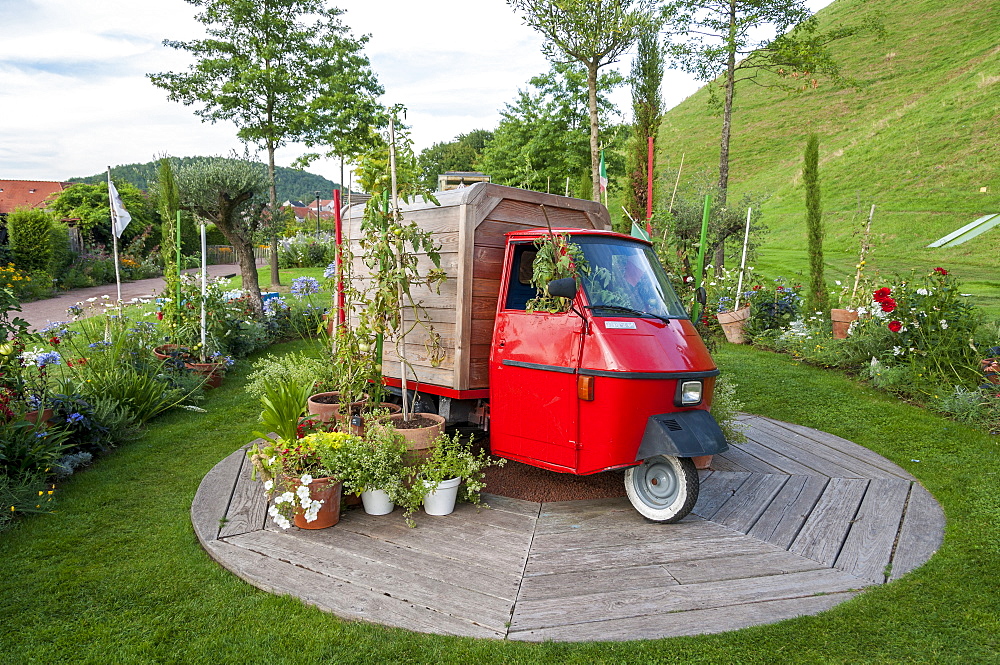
[[663, 488]]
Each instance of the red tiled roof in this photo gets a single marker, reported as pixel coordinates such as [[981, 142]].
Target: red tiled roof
[[28, 193], [306, 213]]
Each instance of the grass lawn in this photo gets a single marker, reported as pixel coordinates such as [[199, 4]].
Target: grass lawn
[[116, 575]]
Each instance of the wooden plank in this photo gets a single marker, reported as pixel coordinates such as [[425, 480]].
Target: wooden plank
[[727, 463], [705, 569], [868, 548], [581, 582], [471, 572], [509, 505], [769, 457], [692, 622], [248, 508], [356, 568], [824, 531], [848, 447], [214, 493], [742, 510], [610, 535], [716, 490], [542, 613], [813, 443], [782, 520], [921, 534], [463, 298], [621, 556], [744, 459], [810, 462], [340, 598]]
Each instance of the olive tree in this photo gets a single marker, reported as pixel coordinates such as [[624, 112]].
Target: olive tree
[[232, 194]]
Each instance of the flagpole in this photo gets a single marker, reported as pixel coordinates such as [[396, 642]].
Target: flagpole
[[114, 238]]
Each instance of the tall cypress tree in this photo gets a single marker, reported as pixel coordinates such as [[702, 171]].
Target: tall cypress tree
[[647, 111], [168, 199], [816, 298]]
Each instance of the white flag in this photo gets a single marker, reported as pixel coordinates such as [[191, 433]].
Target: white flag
[[119, 215]]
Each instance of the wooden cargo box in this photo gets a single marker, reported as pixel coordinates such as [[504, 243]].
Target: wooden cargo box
[[469, 225]]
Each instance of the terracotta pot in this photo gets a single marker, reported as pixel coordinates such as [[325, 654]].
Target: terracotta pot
[[733, 322], [702, 462], [842, 320], [328, 411], [326, 490], [32, 417], [419, 440], [211, 371], [991, 369], [164, 350]]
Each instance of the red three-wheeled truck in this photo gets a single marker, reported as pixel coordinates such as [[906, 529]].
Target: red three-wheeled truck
[[620, 380]]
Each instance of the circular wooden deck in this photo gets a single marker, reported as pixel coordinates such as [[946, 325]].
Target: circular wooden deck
[[792, 522]]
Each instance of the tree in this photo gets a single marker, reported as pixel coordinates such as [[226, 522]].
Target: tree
[[89, 204], [594, 33], [647, 111], [168, 205], [722, 40], [230, 194], [279, 79], [543, 137], [816, 299], [28, 232], [462, 154]]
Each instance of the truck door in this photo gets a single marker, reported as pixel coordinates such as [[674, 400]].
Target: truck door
[[533, 374]]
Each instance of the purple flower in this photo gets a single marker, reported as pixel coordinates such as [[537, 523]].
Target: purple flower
[[304, 286]]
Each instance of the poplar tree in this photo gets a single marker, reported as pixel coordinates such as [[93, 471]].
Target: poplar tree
[[816, 299], [647, 112]]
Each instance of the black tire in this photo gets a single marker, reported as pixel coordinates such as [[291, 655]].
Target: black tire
[[663, 488]]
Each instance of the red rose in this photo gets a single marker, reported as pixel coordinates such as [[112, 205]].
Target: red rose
[[895, 326], [159, 316], [888, 304], [881, 294], [941, 271], [54, 341]]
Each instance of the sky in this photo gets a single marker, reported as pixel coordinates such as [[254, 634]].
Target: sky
[[74, 97]]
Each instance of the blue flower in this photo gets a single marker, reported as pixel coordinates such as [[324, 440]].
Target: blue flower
[[50, 358], [99, 345], [74, 418], [331, 271], [273, 305], [304, 286]]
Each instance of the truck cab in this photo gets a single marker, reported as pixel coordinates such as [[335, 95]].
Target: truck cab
[[620, 379]]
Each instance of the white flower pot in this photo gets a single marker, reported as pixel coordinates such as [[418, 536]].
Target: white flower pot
[[441, 500], [376, 502]]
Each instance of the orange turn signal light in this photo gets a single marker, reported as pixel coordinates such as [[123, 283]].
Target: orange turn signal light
[[585, 388]]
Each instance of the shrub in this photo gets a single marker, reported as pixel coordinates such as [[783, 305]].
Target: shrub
[[28, 232]]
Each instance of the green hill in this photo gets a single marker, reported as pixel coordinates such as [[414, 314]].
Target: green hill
[[919, 141], [293, 184]]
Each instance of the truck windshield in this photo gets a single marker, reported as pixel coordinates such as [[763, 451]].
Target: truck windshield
[[627, 279]]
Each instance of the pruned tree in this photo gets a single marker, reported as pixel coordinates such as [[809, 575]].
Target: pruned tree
[[722, 38], [816, 299], [282, 71], [594, 33], [231, 194], [647, 112]]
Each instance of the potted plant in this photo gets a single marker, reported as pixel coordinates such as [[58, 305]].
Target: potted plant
[[849, 303], [303, 476], [351, 366], [283, 403], [438, 481], [375, 468]]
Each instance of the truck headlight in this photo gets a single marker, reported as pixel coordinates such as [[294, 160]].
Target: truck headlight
[[689, 393]]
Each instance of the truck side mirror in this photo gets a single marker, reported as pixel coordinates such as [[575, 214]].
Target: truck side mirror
[[564, 288], [701, 296]]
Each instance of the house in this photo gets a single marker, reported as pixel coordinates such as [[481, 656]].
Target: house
[[28, 194]]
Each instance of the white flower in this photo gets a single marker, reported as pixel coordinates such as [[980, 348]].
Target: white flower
[[287, 497], [92, 299], [303, 494], [268, 485], [923, 292], [897, 350], [306, 479], [837, 282], [105, 297]]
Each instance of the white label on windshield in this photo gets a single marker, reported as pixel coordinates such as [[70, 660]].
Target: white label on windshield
[[619, 325]]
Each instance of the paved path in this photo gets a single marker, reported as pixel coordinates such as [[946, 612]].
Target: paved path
[[41, 312], [793, 522]]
